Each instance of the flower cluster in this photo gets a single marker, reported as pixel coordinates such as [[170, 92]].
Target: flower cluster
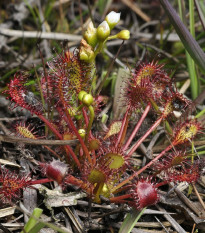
[[99, 161]]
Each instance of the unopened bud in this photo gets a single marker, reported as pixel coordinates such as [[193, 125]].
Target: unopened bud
[[87, 99], [90, 35], [82, 133], [86, 52], [112, 19], [103, 31], [81, 94], [123, 35]]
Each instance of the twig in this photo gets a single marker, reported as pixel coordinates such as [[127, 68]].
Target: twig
[[173, 222], [173, 37], [13, 139], [193, 228], [199, 197], [38, 34]]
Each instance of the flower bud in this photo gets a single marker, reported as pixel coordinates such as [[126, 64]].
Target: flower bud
[[86, 53], [81, 94], [82, 132], [87, 99], [123, 35], [90, 35], [112, 19], [103, 31]]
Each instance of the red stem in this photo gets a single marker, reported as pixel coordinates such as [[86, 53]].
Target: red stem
[[53, 152], [153, 160], [142, 169], [51, 126], [152, 128], [137, 127], [72, 180], [55, 131], [85, 149], [161, 184], [119, 198], [42, 181]]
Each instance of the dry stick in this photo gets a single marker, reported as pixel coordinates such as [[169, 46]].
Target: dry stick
[[43, 142], [199, 197], [137, 127], [136, 9], [193, 228], [38, 34], [109, 69]]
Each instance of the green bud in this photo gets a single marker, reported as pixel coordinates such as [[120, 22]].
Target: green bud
[[86, 52], [82, 133], [103, 31], [90, 35], [112, 19], [81, 94], [123, 35], [87, 99]]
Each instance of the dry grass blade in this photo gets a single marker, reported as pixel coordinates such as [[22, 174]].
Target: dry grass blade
[[136, 9]]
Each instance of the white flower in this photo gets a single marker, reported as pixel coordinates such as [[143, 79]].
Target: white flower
[[112, 19]]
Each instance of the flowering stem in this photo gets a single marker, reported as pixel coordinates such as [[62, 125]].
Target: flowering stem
[[152, 128], [85, 149], [92, 116], [137, 127]]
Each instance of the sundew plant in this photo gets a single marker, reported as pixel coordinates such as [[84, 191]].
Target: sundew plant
[[100, 162]]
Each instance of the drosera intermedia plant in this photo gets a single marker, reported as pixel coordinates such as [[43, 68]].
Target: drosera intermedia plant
[[98, 163]]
